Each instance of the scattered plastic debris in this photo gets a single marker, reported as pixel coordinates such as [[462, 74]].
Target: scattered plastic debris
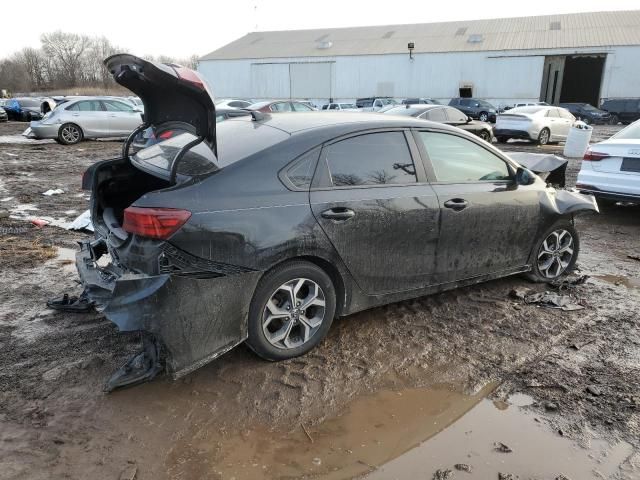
[[554, 300], [50, 192], [38, 222], [82, 222]]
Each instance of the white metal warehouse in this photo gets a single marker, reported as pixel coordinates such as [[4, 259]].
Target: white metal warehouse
[[555, 58]]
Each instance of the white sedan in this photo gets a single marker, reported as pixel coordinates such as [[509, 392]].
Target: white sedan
[[611, 169], [541, 123]]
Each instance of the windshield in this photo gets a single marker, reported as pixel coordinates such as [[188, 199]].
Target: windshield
[[388, 101], [347, 105], [589, 108], [632, 132], [482, 103]]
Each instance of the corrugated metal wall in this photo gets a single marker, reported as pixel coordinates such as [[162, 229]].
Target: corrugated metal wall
[[501, 77]]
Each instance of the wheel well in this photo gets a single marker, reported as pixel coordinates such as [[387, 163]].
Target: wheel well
[[329, 269]]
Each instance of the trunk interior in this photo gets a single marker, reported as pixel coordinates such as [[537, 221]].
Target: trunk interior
[[117, 186]]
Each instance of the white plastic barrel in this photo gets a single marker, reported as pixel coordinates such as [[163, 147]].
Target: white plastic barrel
[[578, 140]]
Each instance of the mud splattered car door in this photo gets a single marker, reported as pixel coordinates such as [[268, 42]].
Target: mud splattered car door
[[378, 210], [488, 222]]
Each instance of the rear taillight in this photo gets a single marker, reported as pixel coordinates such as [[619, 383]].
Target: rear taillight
[[592, 156], [154, 222], [166, 135], [188, 75]]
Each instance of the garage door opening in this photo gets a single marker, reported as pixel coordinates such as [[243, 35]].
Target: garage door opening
[[582, 79], [572, 78]]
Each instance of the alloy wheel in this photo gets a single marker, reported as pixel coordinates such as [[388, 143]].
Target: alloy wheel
[[484, 117], [544, 137], [555, 254], [293, 313], [70, 134]]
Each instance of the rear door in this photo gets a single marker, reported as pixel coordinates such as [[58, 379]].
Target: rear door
[[556, 125], [91, 116], [123, 119], [377, 209], [487, 222]]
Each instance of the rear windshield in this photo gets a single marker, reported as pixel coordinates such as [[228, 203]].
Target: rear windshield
[[28, 102], [239, 138], [158, 158], [532, 109], [632, 132], [404, 111]]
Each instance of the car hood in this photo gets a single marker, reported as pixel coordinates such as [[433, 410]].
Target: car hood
[[169, 92]]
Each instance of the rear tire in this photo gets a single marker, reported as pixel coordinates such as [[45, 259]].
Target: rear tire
[[70, 134], [291, 311], [614, 120], [483, 117], [557, 257], [544, 136]]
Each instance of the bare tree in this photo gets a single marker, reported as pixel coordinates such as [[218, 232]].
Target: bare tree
[[67, 60], [67, 50]]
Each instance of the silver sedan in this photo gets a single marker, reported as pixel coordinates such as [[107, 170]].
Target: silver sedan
[[87, 117]]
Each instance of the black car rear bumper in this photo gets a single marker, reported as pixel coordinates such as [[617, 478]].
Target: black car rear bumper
[[503, 132], [195, 319]]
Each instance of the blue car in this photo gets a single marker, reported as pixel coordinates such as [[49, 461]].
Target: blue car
[[23, 109]]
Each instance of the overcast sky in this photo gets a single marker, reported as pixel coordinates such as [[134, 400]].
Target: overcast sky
[[181, 28]]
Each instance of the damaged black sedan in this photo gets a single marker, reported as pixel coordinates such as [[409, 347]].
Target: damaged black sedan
[[263, 229]]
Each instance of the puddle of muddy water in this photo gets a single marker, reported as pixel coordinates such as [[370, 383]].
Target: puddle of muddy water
[[537, 452], [401, 435], [618, 280], [373, 430]]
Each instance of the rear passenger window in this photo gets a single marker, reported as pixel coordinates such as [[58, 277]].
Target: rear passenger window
[[436, 115], [457, 159], [301, 173], [371, 159]]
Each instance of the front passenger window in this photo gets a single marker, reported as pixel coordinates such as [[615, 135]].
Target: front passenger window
[[456, 159]]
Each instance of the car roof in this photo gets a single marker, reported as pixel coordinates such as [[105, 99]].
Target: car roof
[[352, 121]]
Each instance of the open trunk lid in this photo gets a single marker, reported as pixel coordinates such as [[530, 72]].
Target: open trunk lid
[[169, 92]]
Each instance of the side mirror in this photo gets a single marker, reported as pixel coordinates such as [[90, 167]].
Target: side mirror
[[469, 119], [137, 109], [524, 176]]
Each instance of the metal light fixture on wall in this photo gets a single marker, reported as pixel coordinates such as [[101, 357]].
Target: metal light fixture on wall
[[410, 46]]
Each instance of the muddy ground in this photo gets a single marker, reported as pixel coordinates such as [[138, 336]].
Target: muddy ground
[[581, 369]]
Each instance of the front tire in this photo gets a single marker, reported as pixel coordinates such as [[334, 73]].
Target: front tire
[[483, 117], [291, 311], [614, 120], [555, 254], [544, 136], [70, 134], [485, 135]]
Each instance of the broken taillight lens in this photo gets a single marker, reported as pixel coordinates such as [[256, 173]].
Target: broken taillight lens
[[592, 156], [158, 223]]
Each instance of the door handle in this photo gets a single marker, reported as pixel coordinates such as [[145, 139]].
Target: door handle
[[456, 204], [338, 214]]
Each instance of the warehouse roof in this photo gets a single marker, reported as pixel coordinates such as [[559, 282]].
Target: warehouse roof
[[595, 29]]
